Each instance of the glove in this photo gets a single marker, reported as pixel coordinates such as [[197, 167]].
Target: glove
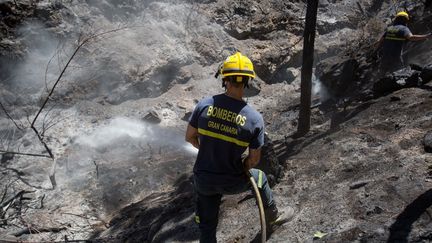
[[245, 169]]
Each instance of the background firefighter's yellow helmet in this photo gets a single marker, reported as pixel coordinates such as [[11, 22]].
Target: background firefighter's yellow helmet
[[402, 14], [237, 65]]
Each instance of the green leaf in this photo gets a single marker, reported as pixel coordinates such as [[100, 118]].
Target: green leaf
[[319, 234]]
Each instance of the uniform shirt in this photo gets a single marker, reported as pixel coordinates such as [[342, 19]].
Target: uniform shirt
[[394, 40], [226, 128]]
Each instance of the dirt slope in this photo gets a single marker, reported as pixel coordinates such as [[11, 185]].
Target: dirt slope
[[366, 181]]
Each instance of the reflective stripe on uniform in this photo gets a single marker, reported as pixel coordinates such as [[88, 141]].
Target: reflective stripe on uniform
[[222, 137], [395, 38], [260, 179], [197, 219]]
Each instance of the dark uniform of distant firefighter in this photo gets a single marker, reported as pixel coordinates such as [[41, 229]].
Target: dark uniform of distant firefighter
[[393, 41], [222, 127]]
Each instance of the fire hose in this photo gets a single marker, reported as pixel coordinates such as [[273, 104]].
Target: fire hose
[[260, 206]]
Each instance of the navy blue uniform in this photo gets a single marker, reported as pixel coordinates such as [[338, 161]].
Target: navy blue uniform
[[394, 41], [226, 128]]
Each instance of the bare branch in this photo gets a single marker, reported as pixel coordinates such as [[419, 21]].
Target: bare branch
[[97, 169], [52, 123], [43, 142], [60, 61], [80, 45], [19, 174], [47, 67], [41, 202], [9, 202], [46, 123], [5, 136], [52, 174], [31, 230], [27, 154], [10, 118], [73, 214], [4, 195]]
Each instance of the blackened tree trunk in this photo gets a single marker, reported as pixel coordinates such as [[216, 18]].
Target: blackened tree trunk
[[306, 72]]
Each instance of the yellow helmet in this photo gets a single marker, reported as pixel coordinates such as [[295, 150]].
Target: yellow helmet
[[237, 65], [403, 14]]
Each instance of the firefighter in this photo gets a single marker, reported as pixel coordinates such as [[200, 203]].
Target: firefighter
[[223, 127], [393, 41]]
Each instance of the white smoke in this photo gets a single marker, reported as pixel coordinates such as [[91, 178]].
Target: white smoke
[[118, 128], [126, 159], [30, 75], [319, 90], [136, 131], [316, 86]]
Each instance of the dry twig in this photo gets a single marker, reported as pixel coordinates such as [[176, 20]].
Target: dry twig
[[28, 154], [81, 43], [32, 230], [9, 117]]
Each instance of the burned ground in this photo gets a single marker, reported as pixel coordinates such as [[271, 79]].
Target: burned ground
[[116, 122]]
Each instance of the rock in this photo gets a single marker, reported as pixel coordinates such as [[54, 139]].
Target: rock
[[9, 238], [385, 85], [327, 25], [6, 157], [323, 3], [43, 13], [338, 75], [375, 210], [152, 117], [254, 88], [292, 74], [395, 98], [5, 7], [397, 80], [358, 184], [426, 74], [186, 116], [26, 142], [414, 80], [189, 88], [427, 142], [406, 144], [182, 105]]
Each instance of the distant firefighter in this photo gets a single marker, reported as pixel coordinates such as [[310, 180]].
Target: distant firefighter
[[393, 41]]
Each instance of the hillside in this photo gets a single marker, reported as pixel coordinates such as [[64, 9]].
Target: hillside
[[120, 170]]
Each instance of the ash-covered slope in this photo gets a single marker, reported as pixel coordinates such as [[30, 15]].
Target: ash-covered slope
[[115, 123], [361, 176], [366, 181]]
